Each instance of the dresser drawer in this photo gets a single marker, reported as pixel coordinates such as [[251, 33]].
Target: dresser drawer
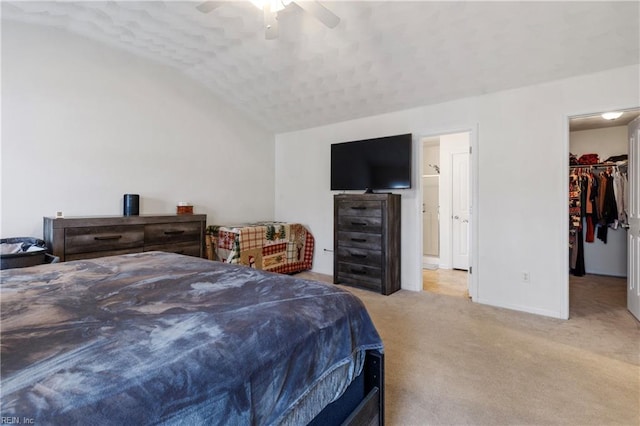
[[102, 238], [188, 248], [171, 233], [359, 240], [360, 224], [94, 254], [360, 275], [360, 208], [360, 256]]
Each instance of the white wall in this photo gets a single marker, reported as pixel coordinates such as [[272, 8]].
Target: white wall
[[83, 124], [521, 172], [601, 258], [430, 155], [605, 142]]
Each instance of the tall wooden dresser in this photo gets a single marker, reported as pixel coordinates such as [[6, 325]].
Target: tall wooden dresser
[[89, 237], [367, 241]]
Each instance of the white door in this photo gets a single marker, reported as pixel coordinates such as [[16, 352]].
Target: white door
[[633, 233], [460, 210]]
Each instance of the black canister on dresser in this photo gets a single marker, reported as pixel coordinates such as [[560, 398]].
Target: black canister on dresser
[[367, 241], [131, 205]]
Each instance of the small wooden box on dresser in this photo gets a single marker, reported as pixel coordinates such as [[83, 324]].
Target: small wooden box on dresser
[[93, 236], [366, 241]]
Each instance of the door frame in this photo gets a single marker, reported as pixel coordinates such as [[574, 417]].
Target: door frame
[[633, 239], [564, 237], [473, 273]]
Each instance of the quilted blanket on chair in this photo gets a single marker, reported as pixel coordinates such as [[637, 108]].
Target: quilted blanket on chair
[[271, 246]]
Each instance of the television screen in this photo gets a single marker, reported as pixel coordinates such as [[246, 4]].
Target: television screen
[[370, 164]]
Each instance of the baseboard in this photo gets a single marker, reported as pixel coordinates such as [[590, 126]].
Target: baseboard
[[521, 308]]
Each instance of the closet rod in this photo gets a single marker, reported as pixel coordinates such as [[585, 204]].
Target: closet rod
[[596, 165]]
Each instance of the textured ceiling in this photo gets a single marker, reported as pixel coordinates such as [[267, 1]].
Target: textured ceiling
[[382, 57]]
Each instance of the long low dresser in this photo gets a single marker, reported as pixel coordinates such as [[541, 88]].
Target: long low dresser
[[96, 236]]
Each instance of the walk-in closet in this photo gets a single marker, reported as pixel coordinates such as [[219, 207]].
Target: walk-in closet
[[599, 202]]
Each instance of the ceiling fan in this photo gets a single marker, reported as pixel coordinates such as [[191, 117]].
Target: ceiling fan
[[271, 8]]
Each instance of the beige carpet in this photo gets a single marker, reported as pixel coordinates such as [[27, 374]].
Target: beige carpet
[[450, 361]]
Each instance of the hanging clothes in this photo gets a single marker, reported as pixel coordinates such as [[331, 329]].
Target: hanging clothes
[[589, 223], [609, 213], [602, 189], [598, 200], [576, 248], [619, 188], [595, 189], [579, 268]]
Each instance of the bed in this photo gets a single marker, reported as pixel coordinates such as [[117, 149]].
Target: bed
[[162, 338], [280, 247]]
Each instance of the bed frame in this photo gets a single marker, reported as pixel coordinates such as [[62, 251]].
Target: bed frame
[[363, 401]]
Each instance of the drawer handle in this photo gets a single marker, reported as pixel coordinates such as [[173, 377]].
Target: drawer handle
[[359, 223], [108, 237], [360, 256], [358, 272], [359, 208], [174, 232], [359, 240]]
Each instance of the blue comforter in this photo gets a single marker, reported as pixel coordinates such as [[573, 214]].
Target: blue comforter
[[158, 338]]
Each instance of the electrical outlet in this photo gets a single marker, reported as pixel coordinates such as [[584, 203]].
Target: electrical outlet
[[526, 277]]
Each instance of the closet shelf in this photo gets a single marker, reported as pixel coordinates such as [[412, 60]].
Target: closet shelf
[[598, 165]]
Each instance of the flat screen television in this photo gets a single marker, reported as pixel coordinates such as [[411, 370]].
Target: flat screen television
[[372, 164]]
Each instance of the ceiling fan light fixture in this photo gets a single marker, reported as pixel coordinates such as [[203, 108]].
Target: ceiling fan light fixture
[[271, 8], [276, 5], [611, 115]]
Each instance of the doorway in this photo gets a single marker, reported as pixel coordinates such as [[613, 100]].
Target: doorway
[[600, 256], [431, 203], [446, 213]]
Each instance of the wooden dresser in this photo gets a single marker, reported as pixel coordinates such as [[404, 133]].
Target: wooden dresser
[[89, 237], [367, 241]]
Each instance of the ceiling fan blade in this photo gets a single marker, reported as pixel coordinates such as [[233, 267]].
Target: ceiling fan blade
[[270, 23], [208, 6], [319, 12]]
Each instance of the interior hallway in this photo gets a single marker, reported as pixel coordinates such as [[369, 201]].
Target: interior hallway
[[450, 282]]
